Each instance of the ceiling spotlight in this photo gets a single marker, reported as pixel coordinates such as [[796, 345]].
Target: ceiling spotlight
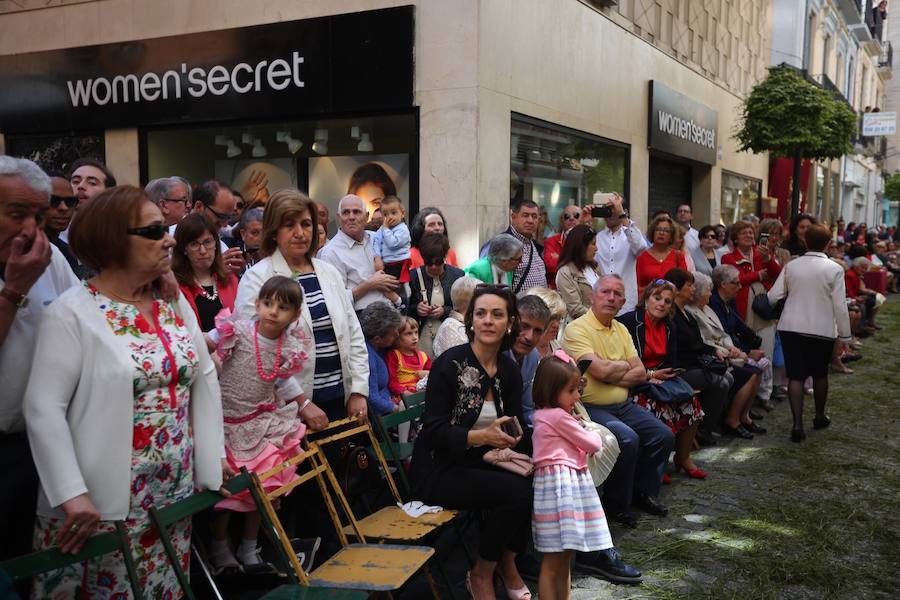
[[321, 135], [222, 140], [365, 144], [293, 143], [247, 138], [233, 149], [354, 132], [320, 147], [258, 149]]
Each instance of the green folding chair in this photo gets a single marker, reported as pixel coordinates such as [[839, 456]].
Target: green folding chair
[[163, 518], [44, 561]]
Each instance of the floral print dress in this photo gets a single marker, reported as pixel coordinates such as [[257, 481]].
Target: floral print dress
[[165, 364]]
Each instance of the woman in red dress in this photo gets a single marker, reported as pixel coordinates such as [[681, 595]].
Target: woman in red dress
[[755, 264], [662, 256]]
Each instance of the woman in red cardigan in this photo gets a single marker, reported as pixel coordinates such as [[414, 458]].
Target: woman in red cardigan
[[755, 263], [200, 271], [661, 257]]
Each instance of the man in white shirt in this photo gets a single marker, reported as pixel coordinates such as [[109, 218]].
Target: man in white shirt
[[350, 251], [33, 273], [683, 216], [618, 246]]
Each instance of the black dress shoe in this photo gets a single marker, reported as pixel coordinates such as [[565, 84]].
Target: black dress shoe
[[821, 422], [607, 564], [649, 504], [755, 429], [739, 432], [622, 517], [797, 435], [756, 416]]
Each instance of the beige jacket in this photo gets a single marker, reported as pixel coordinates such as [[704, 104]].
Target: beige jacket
[[574, 289]]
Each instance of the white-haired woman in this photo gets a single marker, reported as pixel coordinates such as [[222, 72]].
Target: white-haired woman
[[452, 331]]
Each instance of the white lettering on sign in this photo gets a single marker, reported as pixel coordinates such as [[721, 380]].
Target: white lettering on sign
[[278, 75], [686, 130]]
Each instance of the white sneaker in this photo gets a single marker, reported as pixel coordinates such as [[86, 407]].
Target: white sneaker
[[251, 558]]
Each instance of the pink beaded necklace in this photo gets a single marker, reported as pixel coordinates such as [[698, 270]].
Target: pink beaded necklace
[[259, 366]]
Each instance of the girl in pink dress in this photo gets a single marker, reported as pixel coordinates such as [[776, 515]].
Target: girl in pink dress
[[261, 403]]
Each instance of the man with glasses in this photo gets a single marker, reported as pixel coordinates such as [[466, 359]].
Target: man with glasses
[[683, 216], [215, 200], [618, 246], [33, 273], [63, 203], [173, 197]]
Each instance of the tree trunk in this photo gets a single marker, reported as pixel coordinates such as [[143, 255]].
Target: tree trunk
[[795, 194]]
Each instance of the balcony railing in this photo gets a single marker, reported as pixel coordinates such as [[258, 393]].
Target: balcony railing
[[824, 81], [886, 57]]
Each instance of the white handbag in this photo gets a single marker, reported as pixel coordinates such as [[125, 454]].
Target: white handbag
[[601, 463]]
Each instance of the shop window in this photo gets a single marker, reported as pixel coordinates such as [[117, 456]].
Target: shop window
[[316, 156], [56, 153], [740, 197], [555, 166]]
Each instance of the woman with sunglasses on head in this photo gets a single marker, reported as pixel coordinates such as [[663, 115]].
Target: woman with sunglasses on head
[[63, 202], [429, 285], [200, 271], [472, 399], [661, 256], [131, 415], [553, 245], [577, 272]]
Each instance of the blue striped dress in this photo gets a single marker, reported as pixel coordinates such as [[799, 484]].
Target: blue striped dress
[[328, 378]]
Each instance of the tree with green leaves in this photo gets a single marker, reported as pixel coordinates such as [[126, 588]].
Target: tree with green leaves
[[892, 187], [786, 115]]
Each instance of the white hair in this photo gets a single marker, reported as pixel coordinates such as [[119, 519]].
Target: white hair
[[603, 278], [158, 189], [348, 198], [461, 292], [861, 261], [34, 177]]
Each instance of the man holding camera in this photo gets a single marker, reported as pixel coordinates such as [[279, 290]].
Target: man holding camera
[[618, 246]]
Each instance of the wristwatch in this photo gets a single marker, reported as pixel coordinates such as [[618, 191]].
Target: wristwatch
[[15, 298]]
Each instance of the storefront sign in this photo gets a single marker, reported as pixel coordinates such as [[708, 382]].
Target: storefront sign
[[879, 123], [681, 126], [343, 63]]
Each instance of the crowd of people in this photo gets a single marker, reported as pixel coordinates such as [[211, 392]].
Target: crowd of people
[[155, 341]]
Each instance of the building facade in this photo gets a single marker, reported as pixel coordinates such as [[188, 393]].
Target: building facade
[[469, 104]]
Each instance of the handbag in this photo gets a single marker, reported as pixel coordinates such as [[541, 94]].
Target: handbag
[[670, 391], [712, 364], [601, 463], [509, 460], [761, 305]]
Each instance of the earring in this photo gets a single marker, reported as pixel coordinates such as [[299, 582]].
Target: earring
[[509, 331], [471, 328]]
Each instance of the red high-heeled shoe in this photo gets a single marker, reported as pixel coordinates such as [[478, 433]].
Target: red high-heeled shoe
[[666, 479], [694, 473]]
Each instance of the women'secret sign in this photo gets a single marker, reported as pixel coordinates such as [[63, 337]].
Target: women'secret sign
[[287, 69], [278, 74], [681, 126]]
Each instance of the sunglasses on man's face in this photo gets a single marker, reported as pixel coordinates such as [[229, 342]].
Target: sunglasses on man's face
[[155, 232], [69, 201]]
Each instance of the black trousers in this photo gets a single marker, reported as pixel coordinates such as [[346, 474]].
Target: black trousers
[[713, 394], [504, 496], [18, 499]]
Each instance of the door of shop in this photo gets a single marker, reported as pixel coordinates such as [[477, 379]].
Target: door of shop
[[670, 185]]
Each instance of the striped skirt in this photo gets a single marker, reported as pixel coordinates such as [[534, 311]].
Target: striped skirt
[[567, 511]]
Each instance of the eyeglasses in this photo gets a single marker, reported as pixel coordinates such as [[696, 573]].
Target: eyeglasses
[[176, 200], [665, 230], [208, 244], [224, 218], [156, 232], [571, 216], [70, 201]]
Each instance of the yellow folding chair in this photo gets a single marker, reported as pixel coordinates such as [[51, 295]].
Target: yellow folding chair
[[361, 566]]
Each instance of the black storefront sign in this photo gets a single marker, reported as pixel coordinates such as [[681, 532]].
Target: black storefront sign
[[344, 63], [681, 126]]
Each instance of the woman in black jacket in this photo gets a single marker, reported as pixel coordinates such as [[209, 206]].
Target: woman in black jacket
[[473, 390], [694, 355], [651, 328], [429, 289]]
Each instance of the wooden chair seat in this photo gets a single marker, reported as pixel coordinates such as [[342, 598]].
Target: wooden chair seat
[[392, 524], [301, 592], [383, 567]]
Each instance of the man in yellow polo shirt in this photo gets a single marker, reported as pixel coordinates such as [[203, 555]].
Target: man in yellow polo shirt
[[645, 442]]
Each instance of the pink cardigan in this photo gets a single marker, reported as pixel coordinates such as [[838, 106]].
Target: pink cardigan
[[560, 440]]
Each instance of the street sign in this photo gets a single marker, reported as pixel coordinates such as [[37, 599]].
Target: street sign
[[879, 123]]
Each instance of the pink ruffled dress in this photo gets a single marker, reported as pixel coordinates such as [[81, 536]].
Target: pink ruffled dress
[[262, 422]]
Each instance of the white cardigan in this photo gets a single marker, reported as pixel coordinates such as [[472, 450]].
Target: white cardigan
[[816, 302], [79, 410], [350, 340]]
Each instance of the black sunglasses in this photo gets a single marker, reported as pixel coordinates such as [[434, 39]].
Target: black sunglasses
[[157, 231], [70, 201]]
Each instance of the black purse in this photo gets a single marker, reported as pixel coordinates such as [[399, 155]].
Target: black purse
[[712, 364], [670, 391]]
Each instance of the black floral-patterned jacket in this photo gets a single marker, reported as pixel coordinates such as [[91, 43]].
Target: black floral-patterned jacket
[[457, 386]]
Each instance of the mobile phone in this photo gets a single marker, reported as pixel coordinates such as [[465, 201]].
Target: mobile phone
[[601, 212], [763, 239], [512, 428], [583, 365]]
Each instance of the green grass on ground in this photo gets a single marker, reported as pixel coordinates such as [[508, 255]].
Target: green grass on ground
[[775, 519]]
